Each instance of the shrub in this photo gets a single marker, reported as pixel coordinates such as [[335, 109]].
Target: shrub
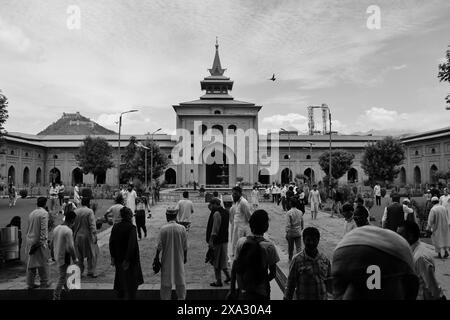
[[23, 193]]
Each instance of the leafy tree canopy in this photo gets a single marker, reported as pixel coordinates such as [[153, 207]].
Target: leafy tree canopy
[[380, 161], [134, 158], [94, 156], [341, 162], [444, 72]]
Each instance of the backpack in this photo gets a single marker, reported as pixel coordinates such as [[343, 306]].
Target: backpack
[[251, 264]]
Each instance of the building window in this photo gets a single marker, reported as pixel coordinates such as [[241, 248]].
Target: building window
[[308, 157], [192, 132], [232, 128], [204, 128], [12, 152], [217, 112], [26, 154], [286, 157], [55, 156], [192, 170], [433, 150], [416, 153], [192, 158], [218, 127], [169, 156], [192, 145], [39, 155]]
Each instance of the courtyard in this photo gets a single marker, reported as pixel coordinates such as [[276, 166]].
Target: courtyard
[[198, 273]]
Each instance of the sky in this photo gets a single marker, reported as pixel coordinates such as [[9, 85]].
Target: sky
[[150, 55]]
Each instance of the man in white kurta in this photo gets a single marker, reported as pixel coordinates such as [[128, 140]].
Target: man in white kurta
[[172, 244], [439, 224], [444, 200], [314, 200], [240, 216]]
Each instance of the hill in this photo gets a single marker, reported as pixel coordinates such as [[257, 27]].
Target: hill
[[75, 124]]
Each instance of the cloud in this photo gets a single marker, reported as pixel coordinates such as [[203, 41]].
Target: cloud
[[13, 38], [400, 67]]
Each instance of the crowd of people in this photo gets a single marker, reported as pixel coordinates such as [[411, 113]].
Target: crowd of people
[[407, 267]]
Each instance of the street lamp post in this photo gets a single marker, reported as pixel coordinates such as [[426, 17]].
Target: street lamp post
[[289, 154], [151, 164], [140, 145], [119, 158]]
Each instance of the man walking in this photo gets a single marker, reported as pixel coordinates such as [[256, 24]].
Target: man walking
[[315, 201], [308, 271], [393, 215], [37, 246], [377, 192], [172, 245], [185, 209], [85, 237], [217, 239], [64, 250], [424, 267], [240, 215], [294, 227], [438, 224], [444, 200], [255, 263]]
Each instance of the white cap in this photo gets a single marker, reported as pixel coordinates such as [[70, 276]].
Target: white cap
[[434, 199]]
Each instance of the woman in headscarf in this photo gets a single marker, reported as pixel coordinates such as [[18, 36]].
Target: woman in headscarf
[[124, 250]]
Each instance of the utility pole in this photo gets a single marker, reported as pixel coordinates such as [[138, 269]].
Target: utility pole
[[151, 165]]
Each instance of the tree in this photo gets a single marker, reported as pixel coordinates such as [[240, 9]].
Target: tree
[[444, 72], [341, 162], [134, 166], [3, 112], [94, 156], [380, 161]]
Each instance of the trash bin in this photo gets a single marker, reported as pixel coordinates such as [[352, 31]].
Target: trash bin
[[9, 243]]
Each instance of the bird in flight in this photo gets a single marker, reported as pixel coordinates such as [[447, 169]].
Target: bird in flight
[[273, 77]]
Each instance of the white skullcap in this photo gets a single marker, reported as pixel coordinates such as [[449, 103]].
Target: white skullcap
[[382, 239], [434, 199]]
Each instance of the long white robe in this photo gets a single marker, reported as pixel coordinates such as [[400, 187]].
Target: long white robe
[[172, 244], [445, 201], [439, 224]]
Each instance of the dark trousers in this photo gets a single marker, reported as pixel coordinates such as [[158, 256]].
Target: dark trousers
[[378, 200], [140, 223], [283, 203], [274, 197], [297, 241]]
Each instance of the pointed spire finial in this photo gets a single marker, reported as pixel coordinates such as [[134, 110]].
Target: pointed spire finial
[[216, 69]]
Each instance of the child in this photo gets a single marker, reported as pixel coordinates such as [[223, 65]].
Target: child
[[64, 249]]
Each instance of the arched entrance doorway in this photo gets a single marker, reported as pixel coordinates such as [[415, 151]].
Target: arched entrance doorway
[[218, 166], [55, 175], [39, 176], [26, 176], [100, 177], [263, 176], [352, 175], [11, 175], [170, 176], [433, 171], [286, 176], [310, 174], [77, 176], [403, 175], [417, 176]]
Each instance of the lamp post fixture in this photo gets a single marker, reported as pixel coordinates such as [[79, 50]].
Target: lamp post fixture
[[119, 160], [289, 154], [151, 164]]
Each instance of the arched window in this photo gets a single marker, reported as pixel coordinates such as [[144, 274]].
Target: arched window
[[308, 157], [11, 175], [416, 153], [204, 128], [170, 176], [402, 175], [218, 127], [26, 154], [433, 150], [286, 176], [217, 112], [352, 175], [417, 176], [433, 170], [232, 127], [77, 176], [263, 176], [310, 174], [26, 176], [286, 157], [38, 176], [12, 152]]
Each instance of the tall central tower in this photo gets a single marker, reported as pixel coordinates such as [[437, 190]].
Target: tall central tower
[[217, 110]]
